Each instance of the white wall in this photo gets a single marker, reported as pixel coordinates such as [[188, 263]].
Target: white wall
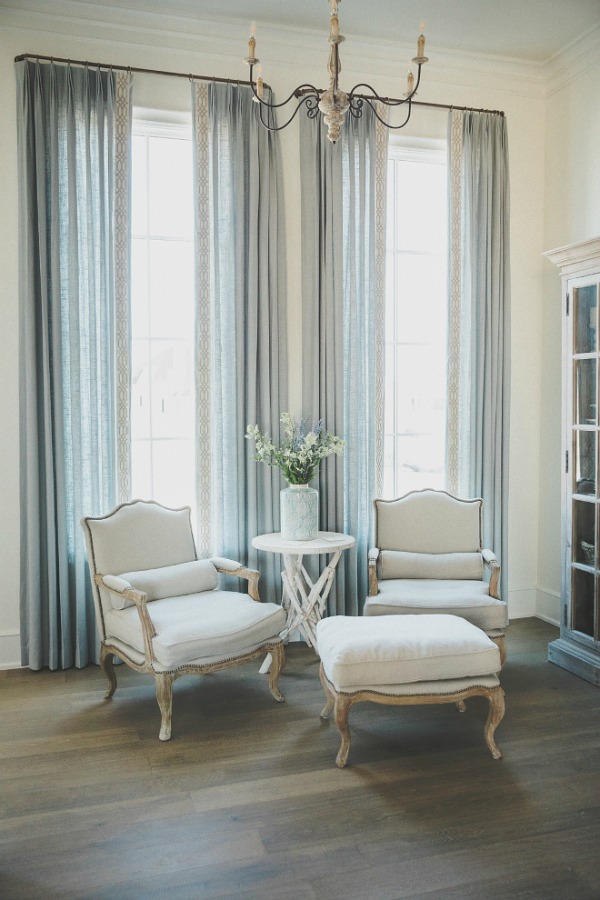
[[159, 42]]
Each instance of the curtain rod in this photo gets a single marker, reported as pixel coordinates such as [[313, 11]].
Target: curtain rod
[[191, 77], [114, 68]]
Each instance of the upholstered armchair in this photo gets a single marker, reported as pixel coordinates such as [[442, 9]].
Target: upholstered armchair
[[159, 608], [429, 558]]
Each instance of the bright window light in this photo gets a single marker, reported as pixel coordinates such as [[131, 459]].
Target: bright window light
[[416, 320], [162, 315]]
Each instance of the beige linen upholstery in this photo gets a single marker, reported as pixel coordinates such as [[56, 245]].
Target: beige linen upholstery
[[407, 660], [428, 558], [159, 608], [401, 651]]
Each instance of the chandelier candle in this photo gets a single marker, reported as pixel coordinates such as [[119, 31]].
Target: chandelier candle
[[334, 103]]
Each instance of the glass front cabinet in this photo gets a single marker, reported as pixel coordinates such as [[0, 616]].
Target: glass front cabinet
[[578, 648]]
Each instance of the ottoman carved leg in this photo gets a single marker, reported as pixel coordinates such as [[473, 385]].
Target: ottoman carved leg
[[495, 716], [341, 710]]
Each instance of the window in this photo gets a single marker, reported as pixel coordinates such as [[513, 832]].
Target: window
[[416, 320], [162, 314]]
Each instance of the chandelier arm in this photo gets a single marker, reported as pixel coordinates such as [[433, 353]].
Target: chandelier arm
[[295, 93], [312, 108], [386, 100], [383, 121]]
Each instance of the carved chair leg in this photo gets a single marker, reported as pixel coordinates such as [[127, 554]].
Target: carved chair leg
[[164, 696], [461, 706], [495, 716], [341, 709], [500, 642], [108, 667], [329, 697], [277, 663]]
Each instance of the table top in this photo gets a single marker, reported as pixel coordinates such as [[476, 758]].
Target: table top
[[325, 542]]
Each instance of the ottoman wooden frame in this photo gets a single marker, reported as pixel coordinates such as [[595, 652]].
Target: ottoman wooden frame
[[341, 702]]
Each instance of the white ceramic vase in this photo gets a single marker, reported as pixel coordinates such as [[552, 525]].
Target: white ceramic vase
[[299, 507]]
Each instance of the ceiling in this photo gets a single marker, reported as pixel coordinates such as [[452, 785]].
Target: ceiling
[[531, 30]]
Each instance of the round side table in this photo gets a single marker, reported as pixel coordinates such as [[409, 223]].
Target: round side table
[[304, 600]]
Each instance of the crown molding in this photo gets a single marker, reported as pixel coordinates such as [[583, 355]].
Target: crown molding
[[573, 61], [575, 257], [225, 40]]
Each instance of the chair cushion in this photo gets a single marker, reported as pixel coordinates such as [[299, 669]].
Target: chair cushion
[[356, 651], [214, 624], [469, 599], [400, 564], [168, 581]]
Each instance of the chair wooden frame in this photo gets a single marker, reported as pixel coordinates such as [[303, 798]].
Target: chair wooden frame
[[164, 678]]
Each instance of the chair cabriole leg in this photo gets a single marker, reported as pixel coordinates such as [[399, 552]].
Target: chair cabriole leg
[[330, 699], [108, 667], [277, 663], [164, 696]]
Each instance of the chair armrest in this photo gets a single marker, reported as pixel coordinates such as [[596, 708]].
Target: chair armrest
[[230, 567], [120, 586], [373, 582], [491, 561]]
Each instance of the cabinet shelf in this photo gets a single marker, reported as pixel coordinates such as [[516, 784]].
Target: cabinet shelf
[[578, 648]]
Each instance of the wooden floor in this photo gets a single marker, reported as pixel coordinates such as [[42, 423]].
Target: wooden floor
[[245, 801]]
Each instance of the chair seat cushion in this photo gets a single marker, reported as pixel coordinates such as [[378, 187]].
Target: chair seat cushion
[[356, 652], [190, 628], [469, 599]]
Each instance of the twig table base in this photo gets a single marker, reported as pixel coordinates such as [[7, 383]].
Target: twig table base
[[303, 599]]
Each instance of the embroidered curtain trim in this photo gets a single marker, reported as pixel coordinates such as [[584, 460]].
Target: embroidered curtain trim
[[454, 301], [203, 343], [381, 149], [121, 248]]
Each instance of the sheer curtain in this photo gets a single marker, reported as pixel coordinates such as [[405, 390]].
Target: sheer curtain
[[69, 457], [479, 319], [242, 339], [343, 247]]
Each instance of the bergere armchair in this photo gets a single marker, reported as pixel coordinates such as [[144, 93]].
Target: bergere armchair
[[429, 558], [159, 607]]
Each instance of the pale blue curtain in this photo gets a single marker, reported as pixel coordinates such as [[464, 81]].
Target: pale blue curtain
[[343, 214], [479, 321], [248, 324], [67, 413]]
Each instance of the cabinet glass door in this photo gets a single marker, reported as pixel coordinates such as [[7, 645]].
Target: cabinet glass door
[[585, 499]]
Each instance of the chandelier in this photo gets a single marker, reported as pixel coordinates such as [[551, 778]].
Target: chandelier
[[333, 103]]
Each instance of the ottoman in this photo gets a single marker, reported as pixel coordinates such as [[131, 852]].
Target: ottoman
[[406, 660]]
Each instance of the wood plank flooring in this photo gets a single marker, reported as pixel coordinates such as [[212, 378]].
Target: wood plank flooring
[[246, 802]]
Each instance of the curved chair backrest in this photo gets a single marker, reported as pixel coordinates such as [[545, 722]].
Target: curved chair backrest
[[134, 537], [428, 522], [139, 535]]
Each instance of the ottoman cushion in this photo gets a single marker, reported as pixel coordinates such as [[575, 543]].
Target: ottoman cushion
[[396, 650]]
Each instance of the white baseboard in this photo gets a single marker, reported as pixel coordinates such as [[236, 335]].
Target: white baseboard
[[10, 650], [548, 607], [521, 604]]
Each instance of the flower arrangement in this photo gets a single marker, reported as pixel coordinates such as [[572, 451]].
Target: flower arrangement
[[300, 453]]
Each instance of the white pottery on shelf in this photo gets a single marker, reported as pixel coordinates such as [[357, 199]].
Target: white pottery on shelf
[[299, 506]]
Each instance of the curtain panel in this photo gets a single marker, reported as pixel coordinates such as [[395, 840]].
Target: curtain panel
[[343, 293], [479, 319], [242, 335], [67, 286]]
